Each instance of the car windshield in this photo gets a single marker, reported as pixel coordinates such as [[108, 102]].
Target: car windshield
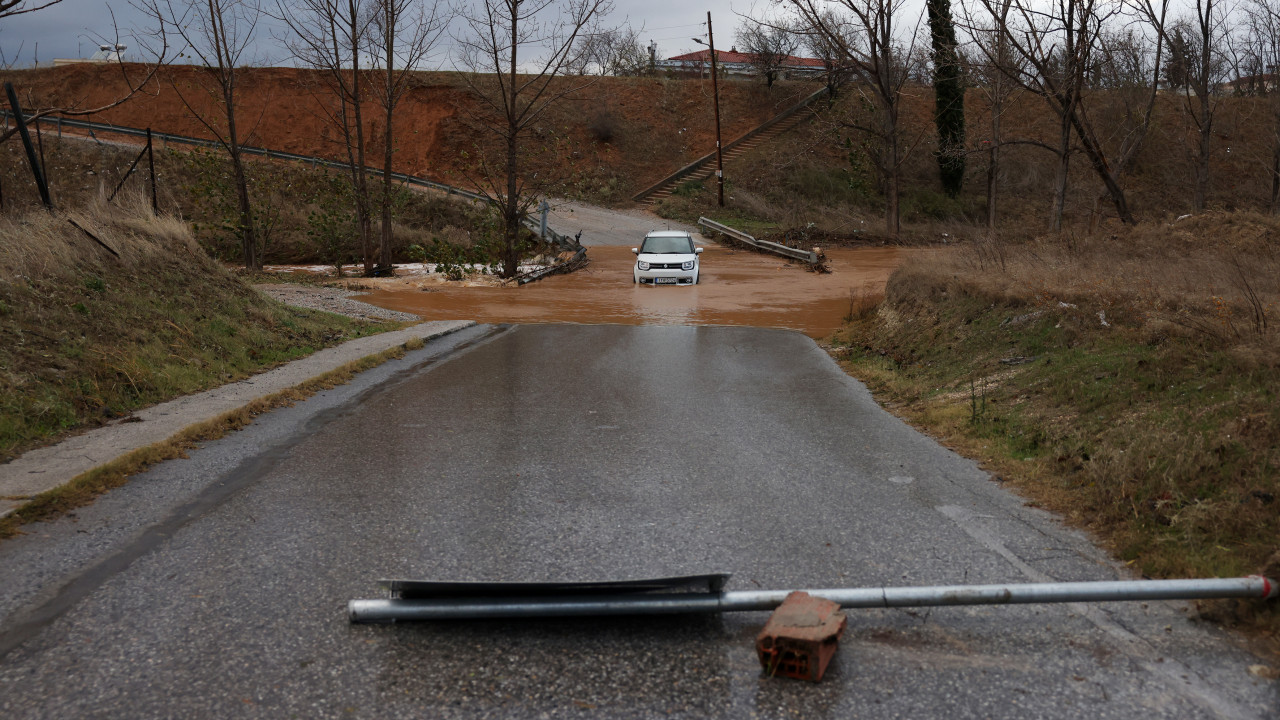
[[667, 245]]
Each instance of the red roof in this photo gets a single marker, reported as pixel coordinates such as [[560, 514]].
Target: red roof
[[728, 56]]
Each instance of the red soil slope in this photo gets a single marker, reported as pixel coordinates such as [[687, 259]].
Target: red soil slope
[[609, 138]]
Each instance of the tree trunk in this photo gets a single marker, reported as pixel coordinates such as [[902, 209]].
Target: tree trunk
[[388, 149], [248, 235], [249, 238], [993, 161], [361, 178], [1275, 180], [893, 173], [1064, 166], [510, 204], [511, 213], [1202, 158], [1098, 159], [948, 98]]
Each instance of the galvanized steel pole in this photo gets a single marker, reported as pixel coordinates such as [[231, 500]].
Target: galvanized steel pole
[[452, 608]]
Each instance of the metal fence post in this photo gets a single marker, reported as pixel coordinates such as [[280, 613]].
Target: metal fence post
[[36, 169], [151, 167]]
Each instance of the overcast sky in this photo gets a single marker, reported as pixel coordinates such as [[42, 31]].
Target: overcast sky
[[74, 28]]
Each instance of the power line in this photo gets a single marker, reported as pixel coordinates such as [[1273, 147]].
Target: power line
[[673, 27], [678, 37]]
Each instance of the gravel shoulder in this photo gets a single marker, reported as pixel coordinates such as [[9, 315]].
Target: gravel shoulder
[[334, 300]]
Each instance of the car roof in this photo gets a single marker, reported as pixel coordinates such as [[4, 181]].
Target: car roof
[[668, 233]]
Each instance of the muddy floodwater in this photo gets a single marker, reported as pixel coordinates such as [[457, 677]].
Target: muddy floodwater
[[736, 288]]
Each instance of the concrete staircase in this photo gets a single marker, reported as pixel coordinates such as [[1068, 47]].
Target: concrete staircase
[[704, 168]]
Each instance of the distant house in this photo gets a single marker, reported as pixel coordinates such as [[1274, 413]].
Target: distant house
[[732, 62], [105, 54], [1251, 85]]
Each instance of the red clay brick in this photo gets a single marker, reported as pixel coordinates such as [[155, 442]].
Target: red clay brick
[[801, 637]]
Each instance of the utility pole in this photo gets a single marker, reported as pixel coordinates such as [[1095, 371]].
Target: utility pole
[[715, 99]]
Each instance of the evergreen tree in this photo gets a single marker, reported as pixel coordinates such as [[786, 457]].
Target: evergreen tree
[[948, 94]]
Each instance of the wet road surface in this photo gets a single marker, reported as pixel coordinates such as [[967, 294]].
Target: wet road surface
[[216, 586], [736, 288]]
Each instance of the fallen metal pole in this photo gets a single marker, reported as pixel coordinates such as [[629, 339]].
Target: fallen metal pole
[[456, 608]]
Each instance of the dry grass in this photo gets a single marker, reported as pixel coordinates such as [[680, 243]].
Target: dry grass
[[290, 197], [1127, 381], [1215, 275]]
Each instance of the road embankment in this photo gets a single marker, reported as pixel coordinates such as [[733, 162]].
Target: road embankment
[[108, 320], [1128, 382]]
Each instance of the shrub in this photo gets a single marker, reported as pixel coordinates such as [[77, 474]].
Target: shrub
[[603, 126]]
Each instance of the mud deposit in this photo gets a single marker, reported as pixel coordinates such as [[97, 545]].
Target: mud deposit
[[736, 288]]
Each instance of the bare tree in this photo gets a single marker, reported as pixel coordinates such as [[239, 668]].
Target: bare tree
[[1257, 69], [332, 37], [1196, 64], [770, 46], [611, 51], [1054, 46], [402, 34], [992, 69], [9, 8], [217, 34], [626, 55], [817, 44], [865, 35], [514, 90], [1198, 46]]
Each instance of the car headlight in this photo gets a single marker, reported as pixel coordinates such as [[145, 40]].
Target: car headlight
[[686, 265], [642, 265]]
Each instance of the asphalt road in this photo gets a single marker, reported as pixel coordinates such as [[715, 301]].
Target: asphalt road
[[216, 586], [606, 226]]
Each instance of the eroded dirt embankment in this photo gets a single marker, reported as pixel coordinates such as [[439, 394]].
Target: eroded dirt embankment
[[605, 140]]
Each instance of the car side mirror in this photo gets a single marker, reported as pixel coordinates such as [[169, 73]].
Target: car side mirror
[[635, 251], [697, 251]]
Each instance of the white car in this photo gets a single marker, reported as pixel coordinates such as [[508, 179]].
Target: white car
[[666, 257]]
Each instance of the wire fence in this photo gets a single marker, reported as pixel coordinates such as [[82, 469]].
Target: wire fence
[[534, 224]]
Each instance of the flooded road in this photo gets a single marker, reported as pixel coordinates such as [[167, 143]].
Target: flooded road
[[736, 288]]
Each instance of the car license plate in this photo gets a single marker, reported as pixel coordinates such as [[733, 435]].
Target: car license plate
[[664, 281]]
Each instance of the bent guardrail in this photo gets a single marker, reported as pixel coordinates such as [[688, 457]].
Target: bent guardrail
[[765, 245]]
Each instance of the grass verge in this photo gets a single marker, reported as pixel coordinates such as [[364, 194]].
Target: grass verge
[[1128, 383], [83, 488], [126, 313]]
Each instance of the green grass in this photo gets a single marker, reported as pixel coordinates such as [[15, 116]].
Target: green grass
[[94, 338]]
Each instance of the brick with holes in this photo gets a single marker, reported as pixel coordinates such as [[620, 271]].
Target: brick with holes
[[801, 637]]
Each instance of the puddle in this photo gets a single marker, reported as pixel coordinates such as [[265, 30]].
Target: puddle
[[736, 288]]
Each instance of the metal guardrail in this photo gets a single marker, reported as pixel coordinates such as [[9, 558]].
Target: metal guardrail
[[693, 166], [564, 241], [596, 599], [773, 247]]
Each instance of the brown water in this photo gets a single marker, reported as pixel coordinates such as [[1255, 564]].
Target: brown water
[[736, 288]]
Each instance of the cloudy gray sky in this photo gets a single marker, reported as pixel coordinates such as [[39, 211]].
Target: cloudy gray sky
[[74, 28]]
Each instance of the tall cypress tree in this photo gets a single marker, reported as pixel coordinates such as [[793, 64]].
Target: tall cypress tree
[[948, 97]]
